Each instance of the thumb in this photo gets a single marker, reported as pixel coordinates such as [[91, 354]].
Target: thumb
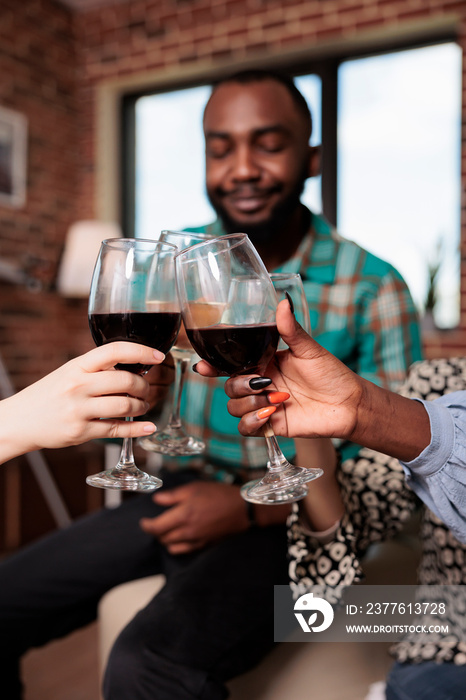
[[300, 343]]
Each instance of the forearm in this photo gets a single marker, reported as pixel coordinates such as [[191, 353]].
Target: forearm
[[270, 515], [14, 431], [390, 423], [323, 505]]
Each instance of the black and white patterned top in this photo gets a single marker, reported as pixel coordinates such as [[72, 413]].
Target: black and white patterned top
[[377, 504]]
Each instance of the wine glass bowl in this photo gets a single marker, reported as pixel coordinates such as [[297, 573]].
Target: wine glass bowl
[[291, 284], [286, 285], [133, 298], [228, 304], [172, 439]]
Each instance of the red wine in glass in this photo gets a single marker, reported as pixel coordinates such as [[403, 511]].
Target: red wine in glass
[[236, 333], [173, 438], [133, 298], [157, 329], [235, 349]]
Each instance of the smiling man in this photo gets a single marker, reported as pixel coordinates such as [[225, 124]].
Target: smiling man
[[258, 159], [214, 617]]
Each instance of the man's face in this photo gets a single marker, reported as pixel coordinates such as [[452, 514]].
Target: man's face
[[257, 156]]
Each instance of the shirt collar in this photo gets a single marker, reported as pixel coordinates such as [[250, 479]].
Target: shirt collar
[[316, 256]]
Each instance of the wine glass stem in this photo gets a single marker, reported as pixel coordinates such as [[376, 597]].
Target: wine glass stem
[[126, 454], [181, 366], [277, 460]]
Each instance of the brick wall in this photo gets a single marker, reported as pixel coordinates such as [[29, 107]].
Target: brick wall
[[38, 72], [39, 331], [52, 62], [162, 37]]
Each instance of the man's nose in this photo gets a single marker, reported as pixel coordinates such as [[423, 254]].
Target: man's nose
[[245, 166]]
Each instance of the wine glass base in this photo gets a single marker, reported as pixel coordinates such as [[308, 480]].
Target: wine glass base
[[172, 442], [283, 486], [288, 494], [114, 479]]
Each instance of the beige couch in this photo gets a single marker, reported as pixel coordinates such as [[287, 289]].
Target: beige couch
[[293, 671]]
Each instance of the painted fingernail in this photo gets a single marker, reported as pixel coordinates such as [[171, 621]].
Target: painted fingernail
[[150, 428], [259, 382], [278, 396], [290, 301], [265, 412], [194, 368]]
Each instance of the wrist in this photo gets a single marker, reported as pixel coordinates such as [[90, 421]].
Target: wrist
[[270, 515], [390, 423], [14, 438], [323, 505]]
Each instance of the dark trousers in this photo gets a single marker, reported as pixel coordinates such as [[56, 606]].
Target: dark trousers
[[212, 621], [426, 681]]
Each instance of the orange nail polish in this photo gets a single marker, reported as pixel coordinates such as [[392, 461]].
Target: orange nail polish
[[266, 412], [278, 396]]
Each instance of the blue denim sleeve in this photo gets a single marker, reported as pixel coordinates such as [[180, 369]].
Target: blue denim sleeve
[[438, 474]]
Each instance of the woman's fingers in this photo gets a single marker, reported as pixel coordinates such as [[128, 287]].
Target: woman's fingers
[[115, 407], [107, 356], [251, 423], [121, 429], [246, 385], [247, 404], [118, 382], [202, 367]]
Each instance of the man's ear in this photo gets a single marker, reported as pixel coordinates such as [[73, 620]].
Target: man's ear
[[314, 161]]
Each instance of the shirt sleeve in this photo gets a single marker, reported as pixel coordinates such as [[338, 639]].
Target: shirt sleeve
[[438, 474], [377, 504], [390, 338]]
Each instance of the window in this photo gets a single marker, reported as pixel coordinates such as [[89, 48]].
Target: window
[[170, 169], [392, 148], [399, 147]]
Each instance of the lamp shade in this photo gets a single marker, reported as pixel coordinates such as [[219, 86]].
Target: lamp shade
[[81, 249]]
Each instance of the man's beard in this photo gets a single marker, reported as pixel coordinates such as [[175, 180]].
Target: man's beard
[[274, 228]]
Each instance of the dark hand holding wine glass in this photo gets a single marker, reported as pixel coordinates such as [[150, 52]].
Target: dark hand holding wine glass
[[228, 305], [133, 298]]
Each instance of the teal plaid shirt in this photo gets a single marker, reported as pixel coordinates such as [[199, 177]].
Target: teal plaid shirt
[[360, 310]]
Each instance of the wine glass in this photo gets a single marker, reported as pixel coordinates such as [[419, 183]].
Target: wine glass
[[286, 284], [173, 438], [291, 284], [133, 298], [228, 304]]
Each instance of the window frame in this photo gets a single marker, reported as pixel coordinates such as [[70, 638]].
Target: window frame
[[326, 67]]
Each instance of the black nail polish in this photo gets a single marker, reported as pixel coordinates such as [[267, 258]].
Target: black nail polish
[[290, 302], [259, 382], [194, 368]]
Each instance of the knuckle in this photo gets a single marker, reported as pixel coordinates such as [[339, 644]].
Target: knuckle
[[114, 430], [246, 429], [232, 408], [124, 405], [74, 432], [127, 382]]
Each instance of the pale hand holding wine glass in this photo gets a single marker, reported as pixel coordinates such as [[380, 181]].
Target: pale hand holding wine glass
[[173, 438], [133, 298], [236, 333]]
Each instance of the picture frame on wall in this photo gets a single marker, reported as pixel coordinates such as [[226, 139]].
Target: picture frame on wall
[[13, 155]]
